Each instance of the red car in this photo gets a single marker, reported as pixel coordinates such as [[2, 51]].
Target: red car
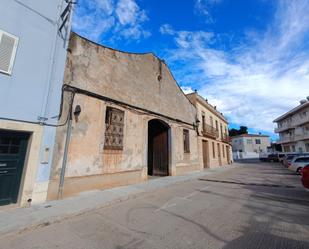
[[305, 176]]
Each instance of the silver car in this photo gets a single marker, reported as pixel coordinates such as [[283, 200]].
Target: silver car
[[297, 164]]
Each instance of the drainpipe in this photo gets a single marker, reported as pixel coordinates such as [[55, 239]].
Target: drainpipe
[[65, 155]]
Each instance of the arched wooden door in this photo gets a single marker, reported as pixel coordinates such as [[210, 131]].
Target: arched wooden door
[[158, 157]]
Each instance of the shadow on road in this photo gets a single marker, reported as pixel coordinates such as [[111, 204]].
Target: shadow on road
[[259, 240]]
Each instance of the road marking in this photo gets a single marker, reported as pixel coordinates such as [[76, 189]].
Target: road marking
[[171, 203]]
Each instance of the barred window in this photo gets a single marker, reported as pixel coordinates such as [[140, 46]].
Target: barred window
[[186, 141], [114, 122]]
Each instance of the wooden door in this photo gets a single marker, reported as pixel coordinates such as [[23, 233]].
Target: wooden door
[[160, 154], [228, 155], [13, 148], [219, 155], [205, 154]]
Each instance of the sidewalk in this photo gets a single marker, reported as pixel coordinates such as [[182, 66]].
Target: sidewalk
[[22, 219]]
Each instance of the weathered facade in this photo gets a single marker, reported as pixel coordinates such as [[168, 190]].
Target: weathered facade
[[213, 140], [134, 121]]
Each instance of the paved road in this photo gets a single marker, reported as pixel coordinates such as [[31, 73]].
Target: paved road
[[253, 206]]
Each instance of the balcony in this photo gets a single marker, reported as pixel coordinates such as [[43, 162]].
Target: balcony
[[225, 138], [301, 120], [209, 131], [286, 139], [284, 127], [303, 136]]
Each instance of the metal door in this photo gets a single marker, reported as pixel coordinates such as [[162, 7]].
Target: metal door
[[13, 146]]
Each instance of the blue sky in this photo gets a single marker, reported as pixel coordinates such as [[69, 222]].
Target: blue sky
[[249, 58]]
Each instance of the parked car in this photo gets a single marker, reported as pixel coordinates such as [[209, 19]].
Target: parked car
[[305, 176], [290, 156], [273, 157], [297, 164]]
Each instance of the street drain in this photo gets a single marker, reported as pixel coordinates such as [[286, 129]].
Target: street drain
[[248, 184]]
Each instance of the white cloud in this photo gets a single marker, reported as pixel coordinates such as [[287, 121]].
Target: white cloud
[[187, 89], [94, 18], [129, 13], [256, 81], [167, 29], [203, 7]]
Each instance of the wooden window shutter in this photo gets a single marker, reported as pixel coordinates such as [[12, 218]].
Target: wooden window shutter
[[8, 47], [186, 141]]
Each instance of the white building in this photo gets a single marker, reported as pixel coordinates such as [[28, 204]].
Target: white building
[[249, 145], [293, 128]]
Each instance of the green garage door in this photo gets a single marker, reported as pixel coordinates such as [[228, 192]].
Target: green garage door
[[13, 146]]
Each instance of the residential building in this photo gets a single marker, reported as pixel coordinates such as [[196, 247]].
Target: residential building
[[249, 145], [213, 139], [131, 121], [33, 38], [293, 128]]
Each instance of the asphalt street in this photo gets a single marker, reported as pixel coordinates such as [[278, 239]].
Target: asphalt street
[[253, 206]]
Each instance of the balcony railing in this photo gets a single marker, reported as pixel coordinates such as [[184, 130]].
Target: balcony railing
[[225, 138], [209, 131], [301, 120], [284, 127]]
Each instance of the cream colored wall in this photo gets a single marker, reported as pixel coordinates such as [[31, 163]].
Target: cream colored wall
[[201, 109], [29, 189], [213, 161], [91, 164]]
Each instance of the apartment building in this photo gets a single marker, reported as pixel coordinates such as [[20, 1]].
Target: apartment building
[[33, 39], [293, 128], [213, 139], [249, 145]]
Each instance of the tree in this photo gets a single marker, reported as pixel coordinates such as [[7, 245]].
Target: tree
[[241, 130]]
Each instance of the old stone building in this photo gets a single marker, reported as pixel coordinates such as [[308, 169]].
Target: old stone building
[[213, 140], [131, 120]]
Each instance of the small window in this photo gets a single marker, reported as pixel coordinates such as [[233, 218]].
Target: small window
[[249, 141], [186, 141], [213, 150], [8, 47], [114, 121], [257, 141]]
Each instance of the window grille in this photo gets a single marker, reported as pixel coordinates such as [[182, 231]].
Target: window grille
[[114, 122]]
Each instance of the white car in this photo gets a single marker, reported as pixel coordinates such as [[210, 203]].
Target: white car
[[297, 164]]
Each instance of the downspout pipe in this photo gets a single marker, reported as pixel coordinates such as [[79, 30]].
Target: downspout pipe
[[65, 154]]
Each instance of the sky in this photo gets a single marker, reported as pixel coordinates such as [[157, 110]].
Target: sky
[[248, 58]]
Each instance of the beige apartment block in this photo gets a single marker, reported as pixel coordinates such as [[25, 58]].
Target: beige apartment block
[[293, 128], [214, 143], [134, 121], [249, 145]]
